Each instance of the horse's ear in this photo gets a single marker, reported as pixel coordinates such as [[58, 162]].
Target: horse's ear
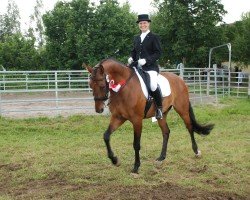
[[101, 69], [87, 67]]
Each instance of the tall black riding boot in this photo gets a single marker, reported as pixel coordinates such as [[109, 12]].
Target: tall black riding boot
[[158, 101]]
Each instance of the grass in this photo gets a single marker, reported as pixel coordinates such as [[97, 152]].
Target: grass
[[44, 158]]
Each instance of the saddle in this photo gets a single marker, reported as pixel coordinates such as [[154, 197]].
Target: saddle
[[146, 79]]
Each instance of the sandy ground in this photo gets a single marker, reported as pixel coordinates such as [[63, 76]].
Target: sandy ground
[[25, 105]]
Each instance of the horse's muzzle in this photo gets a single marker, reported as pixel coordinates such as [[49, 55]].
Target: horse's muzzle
[[99, 110]]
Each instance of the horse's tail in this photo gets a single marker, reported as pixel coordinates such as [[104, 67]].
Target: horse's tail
[[198, 128]]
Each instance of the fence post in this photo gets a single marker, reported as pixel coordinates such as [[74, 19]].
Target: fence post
[[3, 81], [215, 83], [208, 81], [200, 85], [48, 80], [26, 81], [0, 101], [248, 93], [223, 84], [69, 79], [182, 71], [229, 81], [56, 89]]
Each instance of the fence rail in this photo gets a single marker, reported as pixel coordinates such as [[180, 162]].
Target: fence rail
[[55, 92]]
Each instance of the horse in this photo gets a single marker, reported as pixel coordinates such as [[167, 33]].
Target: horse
[[129, 104]]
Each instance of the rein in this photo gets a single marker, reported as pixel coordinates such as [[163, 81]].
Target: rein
[[126, 82], [132, 74], [105, 97]]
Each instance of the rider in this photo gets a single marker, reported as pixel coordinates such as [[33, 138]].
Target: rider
[[146, 51]]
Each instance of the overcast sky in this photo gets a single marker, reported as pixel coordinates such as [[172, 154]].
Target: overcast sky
[[235, 8]]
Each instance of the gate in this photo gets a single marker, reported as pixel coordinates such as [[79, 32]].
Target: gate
[[52, 93]]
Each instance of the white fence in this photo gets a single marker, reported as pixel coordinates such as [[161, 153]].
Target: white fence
[[50, 93], [29, 93]]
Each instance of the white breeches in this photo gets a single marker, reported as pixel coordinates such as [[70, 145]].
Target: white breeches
[[153, 80]]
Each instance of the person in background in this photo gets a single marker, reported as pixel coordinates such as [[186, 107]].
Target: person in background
[[146, 51]]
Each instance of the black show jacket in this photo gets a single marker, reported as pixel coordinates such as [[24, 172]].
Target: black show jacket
[[149, 49]]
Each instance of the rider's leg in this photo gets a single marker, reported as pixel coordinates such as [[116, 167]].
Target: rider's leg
[[156, 93]]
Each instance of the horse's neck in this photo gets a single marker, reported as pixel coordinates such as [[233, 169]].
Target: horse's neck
[[117, 72]]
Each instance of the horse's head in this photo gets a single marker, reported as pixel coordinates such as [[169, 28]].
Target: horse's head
[[99, 86]]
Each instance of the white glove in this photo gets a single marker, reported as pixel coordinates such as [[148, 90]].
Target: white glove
[[130, 60], [142, 62]]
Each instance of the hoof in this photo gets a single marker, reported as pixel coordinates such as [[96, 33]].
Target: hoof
[[134, 175], [118, 163], [158, 163], [161, 158], [115, 161], [198, 155]]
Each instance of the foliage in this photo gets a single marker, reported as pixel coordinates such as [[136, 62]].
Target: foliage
[[19, 53], [112, 29], [237, 34], [36, 28], [241, 43], [58, 29], [77, 32], [10, 22], [189, 29]]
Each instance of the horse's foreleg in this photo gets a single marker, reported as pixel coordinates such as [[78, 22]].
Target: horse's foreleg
[[106, 138], [165, 135], [114, 124], [137, 146]]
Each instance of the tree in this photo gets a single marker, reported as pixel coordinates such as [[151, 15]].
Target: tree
[[80, 31], [1, 28], [188, 29], [112, 29], [57, 22], [36, 29], [241, 43], [18, 53], [10, 22]]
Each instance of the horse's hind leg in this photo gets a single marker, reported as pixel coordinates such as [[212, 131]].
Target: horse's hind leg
[[183, 111], [165, 135], [189, 126], [137, 145]]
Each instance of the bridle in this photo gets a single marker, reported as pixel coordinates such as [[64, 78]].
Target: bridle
[[95, 80]]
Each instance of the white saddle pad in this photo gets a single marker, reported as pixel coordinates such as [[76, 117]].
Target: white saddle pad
[[162, 82]]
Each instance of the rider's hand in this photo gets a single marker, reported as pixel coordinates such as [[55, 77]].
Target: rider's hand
[[130, 60], [142, 62]]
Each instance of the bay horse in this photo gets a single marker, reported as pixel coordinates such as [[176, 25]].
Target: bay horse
[[129, 104]]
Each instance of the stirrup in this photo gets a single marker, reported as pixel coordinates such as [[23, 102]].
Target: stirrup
[[158, 114]]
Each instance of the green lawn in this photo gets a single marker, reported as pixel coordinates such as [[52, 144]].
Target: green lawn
[[65, 158]]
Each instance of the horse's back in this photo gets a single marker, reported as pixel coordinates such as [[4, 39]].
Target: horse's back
[[178, 87]]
